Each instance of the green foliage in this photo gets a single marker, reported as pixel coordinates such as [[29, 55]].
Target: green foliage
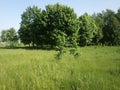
[[111, 30], [3, 36], [88, 30], [9, 35], [118, 14], [63, 20], [99, 21], [58, 38], [30, 25], [56, 25], [74, 52], [60, 52], [108, 24]]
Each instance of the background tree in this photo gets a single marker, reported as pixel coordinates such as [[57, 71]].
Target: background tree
[[111, 30], [100, 24], [88, 30], [9, 35], [118, 15], [4, 36]]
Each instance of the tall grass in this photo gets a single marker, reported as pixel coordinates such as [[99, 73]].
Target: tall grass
[[97, 68]]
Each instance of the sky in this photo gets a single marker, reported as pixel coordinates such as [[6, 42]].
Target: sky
[[11, 10]]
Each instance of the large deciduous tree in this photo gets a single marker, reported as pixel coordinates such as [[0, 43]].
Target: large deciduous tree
[[62, 25], [54, 26], [88, 30], [30, 27], [111, 30]]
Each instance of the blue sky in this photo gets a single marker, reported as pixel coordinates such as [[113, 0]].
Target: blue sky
[[11, 10]]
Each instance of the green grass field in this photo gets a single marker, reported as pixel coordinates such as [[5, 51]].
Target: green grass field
[[97, 68]]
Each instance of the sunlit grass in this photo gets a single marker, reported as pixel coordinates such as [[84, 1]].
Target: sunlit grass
[[97, 68]]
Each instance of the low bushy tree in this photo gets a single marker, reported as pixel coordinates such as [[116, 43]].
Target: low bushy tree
[[9, 35]]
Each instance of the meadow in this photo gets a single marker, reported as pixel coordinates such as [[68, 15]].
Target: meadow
[[97, 68]]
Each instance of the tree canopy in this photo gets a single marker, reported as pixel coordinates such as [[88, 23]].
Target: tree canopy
[[62, 25], [59, 25], [88, 30], [30, 25]]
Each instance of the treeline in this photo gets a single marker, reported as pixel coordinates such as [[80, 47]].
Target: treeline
[[58, 25]]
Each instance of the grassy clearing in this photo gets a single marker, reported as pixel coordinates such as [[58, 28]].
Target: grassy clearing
[[98, 68]]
